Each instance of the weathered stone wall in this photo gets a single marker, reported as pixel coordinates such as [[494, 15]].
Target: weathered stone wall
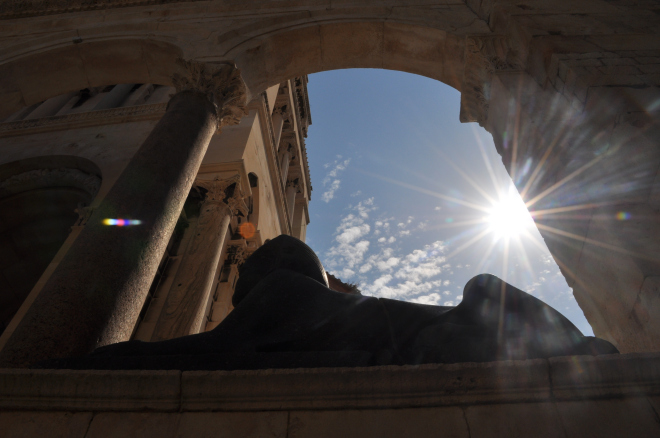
[[607, 396]]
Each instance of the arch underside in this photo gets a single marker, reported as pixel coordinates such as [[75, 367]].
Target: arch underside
[[549, 73]]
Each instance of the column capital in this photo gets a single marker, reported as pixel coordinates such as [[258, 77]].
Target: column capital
[[220, 82], [294, 183], [283, 110], [227, 191]]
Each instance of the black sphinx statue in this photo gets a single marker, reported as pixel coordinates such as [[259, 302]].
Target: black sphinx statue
[[286, 316]]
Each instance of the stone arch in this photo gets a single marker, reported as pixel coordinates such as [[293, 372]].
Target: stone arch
[[72, 67], [41, 198], [277, 56]]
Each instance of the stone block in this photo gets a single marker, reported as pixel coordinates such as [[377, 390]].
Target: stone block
[[629, 417], [232, 424], [587, 377], [643, 60], [413, 49], [339, 50], [89, 390], [650, 68], [539, 420], [114, 62], [295, 51], [447, 422], [44, 424], [619, 70], [651, 79], [618, 61], [66, 72], [133, 424]]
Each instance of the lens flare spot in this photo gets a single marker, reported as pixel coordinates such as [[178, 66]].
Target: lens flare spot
[[623, 215], [247, 230], [121, 222]]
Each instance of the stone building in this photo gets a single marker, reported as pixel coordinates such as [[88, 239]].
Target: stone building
[[61, 156], [568, 89]]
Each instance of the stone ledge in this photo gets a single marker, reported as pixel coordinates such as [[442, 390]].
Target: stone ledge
[[588, 377], [23, 389], [82, 120], [566, 378]]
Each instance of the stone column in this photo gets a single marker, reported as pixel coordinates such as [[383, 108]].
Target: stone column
[[115, 97], [292, 188], [186, 304], [95, 295], [285, 159], [237, 253], [280, 114], [51, 106]]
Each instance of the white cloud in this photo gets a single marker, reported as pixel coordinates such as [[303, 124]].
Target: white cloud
[[348, 235], [386, 265], [432, 299], [330, 193], [331, 178], [380, 268]]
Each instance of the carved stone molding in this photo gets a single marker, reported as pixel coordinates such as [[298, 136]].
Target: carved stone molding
[[237, 254], [484, 56], [287, 142], [227, 191], [39, 178], [222, 83], [30, 8], [80, 120]]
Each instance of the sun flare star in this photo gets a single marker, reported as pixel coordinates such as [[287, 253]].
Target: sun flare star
[[508, 217]]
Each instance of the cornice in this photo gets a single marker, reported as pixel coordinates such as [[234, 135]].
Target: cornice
[[82, 120], [11, 9]]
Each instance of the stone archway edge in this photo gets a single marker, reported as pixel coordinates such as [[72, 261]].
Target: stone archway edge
[[539, 380]]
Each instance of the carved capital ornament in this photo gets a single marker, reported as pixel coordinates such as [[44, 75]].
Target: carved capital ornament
[[221, 83], [227, 191]]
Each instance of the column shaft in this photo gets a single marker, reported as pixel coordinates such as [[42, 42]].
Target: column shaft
[[95, 295]]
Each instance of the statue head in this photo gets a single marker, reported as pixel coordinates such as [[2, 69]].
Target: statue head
[[283, 252]]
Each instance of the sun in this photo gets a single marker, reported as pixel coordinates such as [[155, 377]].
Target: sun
[[508, 217]]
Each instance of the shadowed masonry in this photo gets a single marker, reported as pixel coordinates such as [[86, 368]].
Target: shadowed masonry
[[287, 317]]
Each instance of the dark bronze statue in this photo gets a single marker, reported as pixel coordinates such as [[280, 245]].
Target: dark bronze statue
[[285, 316]]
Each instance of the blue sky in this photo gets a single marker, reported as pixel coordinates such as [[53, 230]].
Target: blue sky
[[410, 203]]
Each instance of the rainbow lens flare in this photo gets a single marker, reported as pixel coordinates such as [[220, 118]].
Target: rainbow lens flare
[[121, 222], [623, 215]]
